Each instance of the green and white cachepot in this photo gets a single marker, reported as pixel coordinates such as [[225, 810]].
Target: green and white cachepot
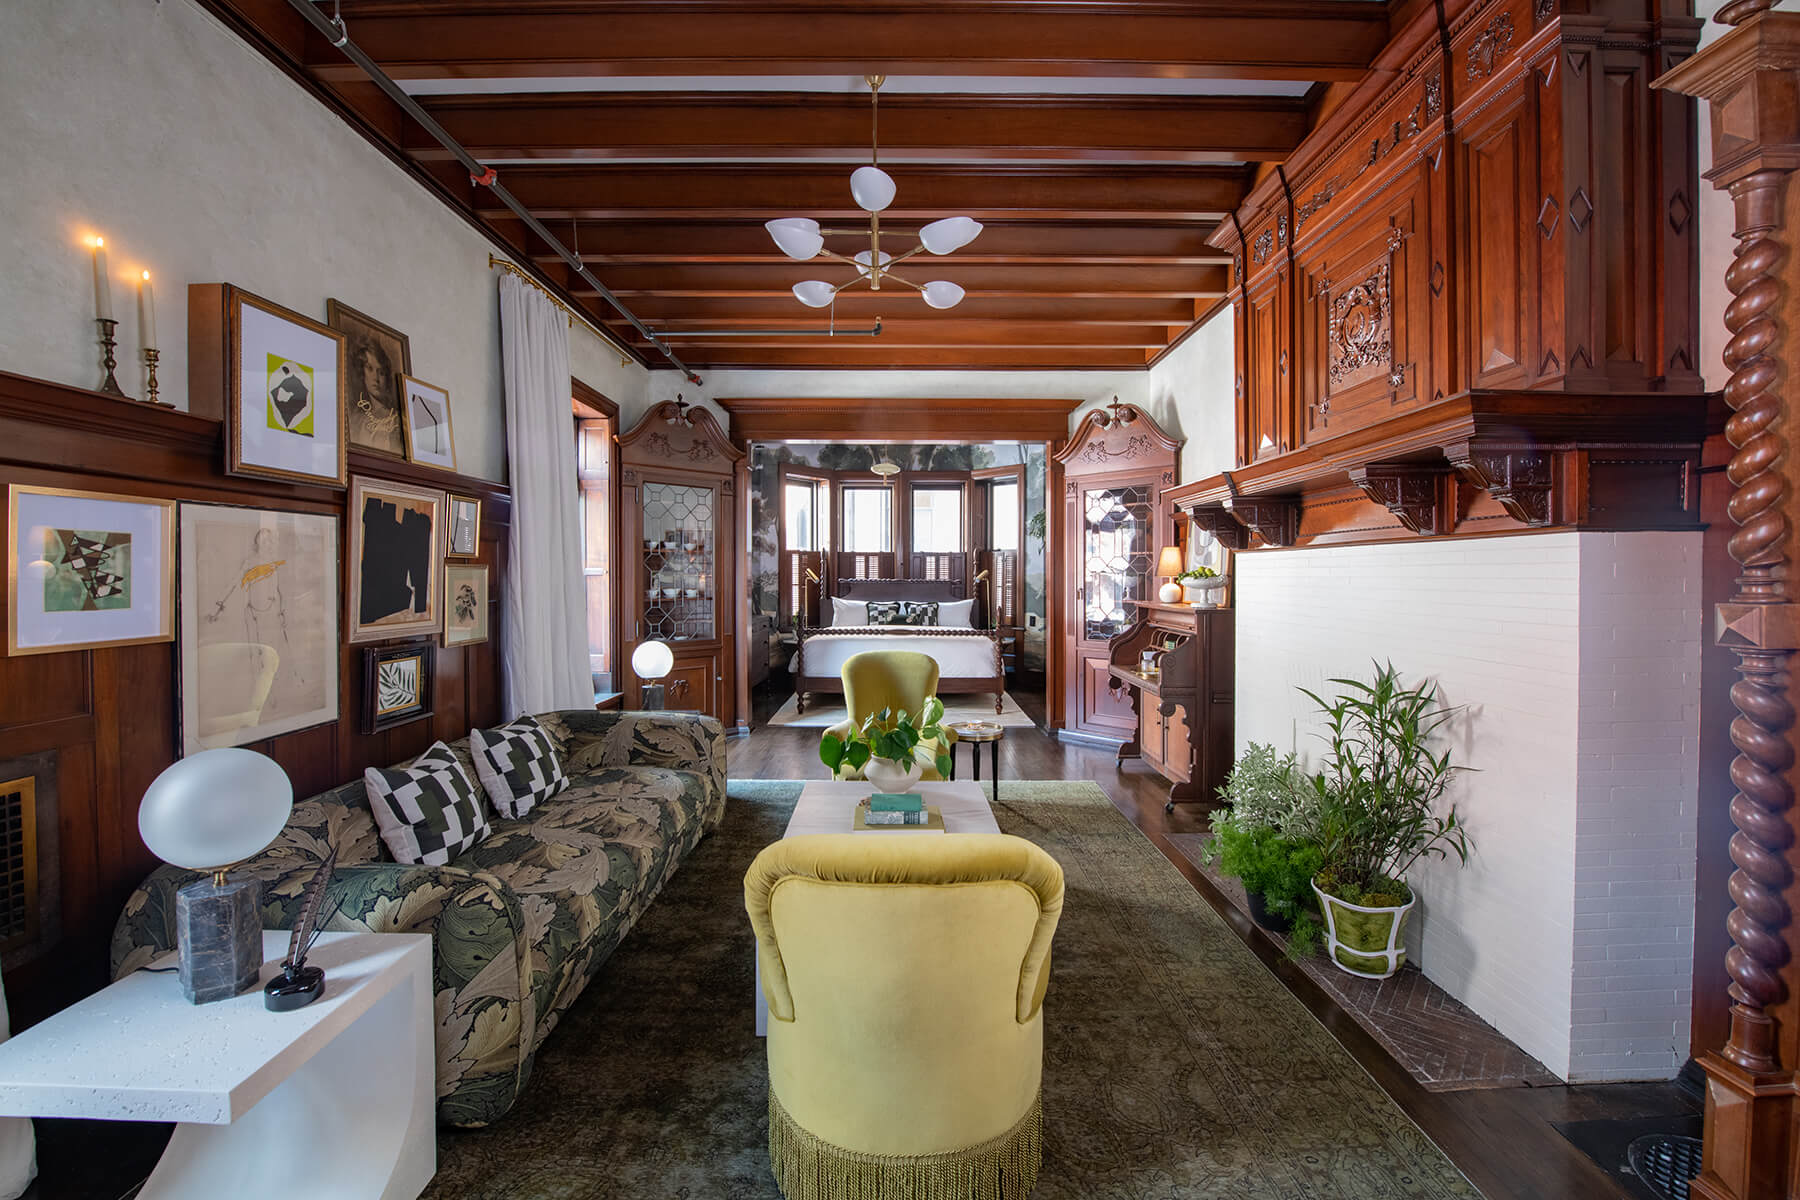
[[1369, 942]]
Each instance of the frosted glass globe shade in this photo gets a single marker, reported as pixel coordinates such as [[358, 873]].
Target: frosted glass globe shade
[[814, 293], [941, 293], [215, 808], [872, 188], [949, 235], [863, 259], [652, 660], [797, 237]]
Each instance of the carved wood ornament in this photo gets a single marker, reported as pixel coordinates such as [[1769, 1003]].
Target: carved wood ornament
[[1423, 497], [1521, 478]]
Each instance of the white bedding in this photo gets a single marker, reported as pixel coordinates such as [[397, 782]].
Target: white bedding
[[958, 655]]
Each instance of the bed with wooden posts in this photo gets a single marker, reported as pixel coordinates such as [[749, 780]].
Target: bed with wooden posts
[[968, 659]]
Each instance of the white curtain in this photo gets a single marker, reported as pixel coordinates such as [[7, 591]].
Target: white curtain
[[18, 1146], [544, 647]]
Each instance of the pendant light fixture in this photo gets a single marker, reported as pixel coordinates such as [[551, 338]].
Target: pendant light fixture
[[884, 466], [873, 189]]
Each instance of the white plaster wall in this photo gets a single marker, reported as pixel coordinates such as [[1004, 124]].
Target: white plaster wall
[[154, 126], [1190, 394]]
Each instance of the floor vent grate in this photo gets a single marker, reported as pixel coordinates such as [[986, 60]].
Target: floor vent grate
[[1666, 1162]]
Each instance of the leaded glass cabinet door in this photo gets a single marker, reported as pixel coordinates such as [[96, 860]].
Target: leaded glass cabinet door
[[680, 551]]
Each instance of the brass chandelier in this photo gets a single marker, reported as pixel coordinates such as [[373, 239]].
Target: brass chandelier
[[802, 239]]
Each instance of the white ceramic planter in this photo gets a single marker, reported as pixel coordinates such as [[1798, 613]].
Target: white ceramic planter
[[888, 775], [1367, 942]]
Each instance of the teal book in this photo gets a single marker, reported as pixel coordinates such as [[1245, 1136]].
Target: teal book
[[896, 802]]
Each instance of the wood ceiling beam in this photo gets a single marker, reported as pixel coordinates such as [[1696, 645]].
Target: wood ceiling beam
[[737, 280], [750, 125], [924, 193], [862, 307], [709, 357], [899, 418], [927, 333], [472, 39]]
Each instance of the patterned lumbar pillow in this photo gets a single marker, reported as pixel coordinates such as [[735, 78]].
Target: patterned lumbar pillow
[[429, 812], [886, 612], [518, 765], [918, 612]]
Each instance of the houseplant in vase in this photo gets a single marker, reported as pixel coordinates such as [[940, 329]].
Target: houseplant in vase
[[1265, 838], [890, 748], [1377, 793]]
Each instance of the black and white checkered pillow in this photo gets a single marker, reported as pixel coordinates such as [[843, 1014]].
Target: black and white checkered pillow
[[918, 612], [429, 812], [886, 612], [518, 765]]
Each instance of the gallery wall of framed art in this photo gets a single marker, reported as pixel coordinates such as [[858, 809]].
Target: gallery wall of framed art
[[268, 560]]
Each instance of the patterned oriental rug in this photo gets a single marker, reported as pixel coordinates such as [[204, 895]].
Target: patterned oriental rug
[[1176, 1066]]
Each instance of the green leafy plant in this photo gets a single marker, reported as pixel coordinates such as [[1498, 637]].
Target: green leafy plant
[[894, 736], [1379, 786], [1266, 837]]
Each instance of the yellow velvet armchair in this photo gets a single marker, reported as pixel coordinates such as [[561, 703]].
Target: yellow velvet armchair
[[888, 679], [905, 977]]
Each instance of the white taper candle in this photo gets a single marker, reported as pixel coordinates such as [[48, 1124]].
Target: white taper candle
[[147, 311], [102, 284]]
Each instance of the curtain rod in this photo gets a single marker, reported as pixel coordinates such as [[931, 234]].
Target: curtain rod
[[513, 268], [480, 173]]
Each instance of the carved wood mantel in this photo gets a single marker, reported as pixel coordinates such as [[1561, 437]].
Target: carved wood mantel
[[1751, 81]]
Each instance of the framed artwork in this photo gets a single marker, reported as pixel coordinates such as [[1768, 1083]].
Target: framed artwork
[[284, 395], [259, 624], [396, 684], [375, 357], [87, 569], [395, 559], [465, 604], [465, 527], [427, 413]]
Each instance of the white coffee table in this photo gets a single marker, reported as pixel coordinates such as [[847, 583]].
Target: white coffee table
[[828, 806], [335, 1099]]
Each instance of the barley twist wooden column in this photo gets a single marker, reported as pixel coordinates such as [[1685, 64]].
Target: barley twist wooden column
[[1751, 80]]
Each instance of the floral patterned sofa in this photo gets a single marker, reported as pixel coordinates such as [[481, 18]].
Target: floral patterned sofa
[[520, 923]]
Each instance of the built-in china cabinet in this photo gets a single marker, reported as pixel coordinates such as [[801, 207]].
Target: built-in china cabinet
[[1114, 526], [679, 488]]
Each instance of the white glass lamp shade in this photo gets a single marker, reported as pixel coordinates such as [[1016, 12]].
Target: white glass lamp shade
[[215, 808], [797, 237], [863, 259], [652, 660], [814, 293], [941, 293], [872, 188], [949, 235]]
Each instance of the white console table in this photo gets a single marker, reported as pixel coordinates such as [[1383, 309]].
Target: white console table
[[337, 1099]]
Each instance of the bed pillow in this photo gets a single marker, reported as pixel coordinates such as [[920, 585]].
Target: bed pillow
[[918, 612], [429, 812], [887, 612], [848, 612], [518, 765], [956, 614]]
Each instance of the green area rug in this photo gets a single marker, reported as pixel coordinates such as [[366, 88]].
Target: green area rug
[[1176, 1066]]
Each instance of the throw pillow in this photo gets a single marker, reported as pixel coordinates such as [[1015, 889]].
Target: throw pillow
[[848, 612], [886, 612], [919, 612], [428, 813], [518, 765], [956, 613]]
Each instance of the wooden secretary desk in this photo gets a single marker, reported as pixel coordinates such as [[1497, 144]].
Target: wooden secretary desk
[[1184, 706]]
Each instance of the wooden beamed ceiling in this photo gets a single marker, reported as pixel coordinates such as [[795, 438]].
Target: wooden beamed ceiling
[[1099, 144]]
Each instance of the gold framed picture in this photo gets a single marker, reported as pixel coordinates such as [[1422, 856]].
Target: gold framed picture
[[466, 604], [376, 356], [87, 569], [395, 559], [396, 684], [284, 394], [425, 408], [465, 527]]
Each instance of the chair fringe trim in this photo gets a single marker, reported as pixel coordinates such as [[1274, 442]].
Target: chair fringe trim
[[1002, 1168]]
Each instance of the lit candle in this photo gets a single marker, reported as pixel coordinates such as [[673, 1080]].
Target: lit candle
[[102, 285], [147, 311]]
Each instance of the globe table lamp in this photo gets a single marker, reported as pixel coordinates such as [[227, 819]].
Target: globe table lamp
[[650, 662], [204, 813], [1169, 566]]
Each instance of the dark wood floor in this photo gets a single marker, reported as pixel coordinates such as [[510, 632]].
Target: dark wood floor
[[1502, 1138]]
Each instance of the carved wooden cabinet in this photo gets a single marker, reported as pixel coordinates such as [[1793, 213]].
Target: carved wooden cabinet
[[679, 540], [1114, 525], [1184, 707]]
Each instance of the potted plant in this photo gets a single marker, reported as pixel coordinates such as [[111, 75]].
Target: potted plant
[[1377, 796], [1202, 585], [1264, 839], [890, 748]]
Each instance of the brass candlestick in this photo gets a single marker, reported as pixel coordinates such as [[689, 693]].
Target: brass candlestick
[[109, 385], [151, 355]]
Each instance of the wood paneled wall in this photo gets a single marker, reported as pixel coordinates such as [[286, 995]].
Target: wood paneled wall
[[108, 717]]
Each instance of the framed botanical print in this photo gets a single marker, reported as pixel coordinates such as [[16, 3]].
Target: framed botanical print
[[375, 358], [396, 684], [284, 396], [426, 409], [465, 604], [465, 527], [259, 624], [87, 569], [395, 560]]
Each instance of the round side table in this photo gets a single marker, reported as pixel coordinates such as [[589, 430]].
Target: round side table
[[976, 733]]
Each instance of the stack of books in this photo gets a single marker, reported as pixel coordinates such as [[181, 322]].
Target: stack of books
[[898, 811]]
